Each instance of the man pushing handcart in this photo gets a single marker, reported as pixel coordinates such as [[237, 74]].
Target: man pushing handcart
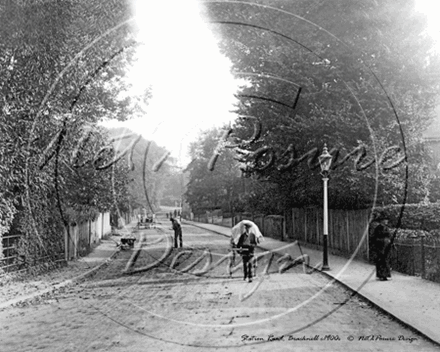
[[244, 237]]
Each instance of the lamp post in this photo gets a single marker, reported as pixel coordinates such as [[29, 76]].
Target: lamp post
[[325, 160]]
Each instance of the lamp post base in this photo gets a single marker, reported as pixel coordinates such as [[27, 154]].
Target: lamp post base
[[325, 266]]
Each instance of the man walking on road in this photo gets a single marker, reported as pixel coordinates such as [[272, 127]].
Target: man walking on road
[[246, 245], [177, 232]]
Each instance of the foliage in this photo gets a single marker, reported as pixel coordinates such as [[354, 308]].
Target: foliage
[[368, 80], [220, 188], [414, 216], [60, 63], [174, 187], [141, 157]]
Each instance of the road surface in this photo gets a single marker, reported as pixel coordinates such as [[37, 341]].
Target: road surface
[[156, 298]]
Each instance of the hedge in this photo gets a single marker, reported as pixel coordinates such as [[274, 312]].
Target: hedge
[[415, 216]]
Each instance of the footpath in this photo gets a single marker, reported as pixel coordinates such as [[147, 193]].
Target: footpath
[[22, 291], [412, 300]]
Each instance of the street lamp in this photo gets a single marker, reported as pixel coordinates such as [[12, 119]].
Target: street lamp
[[325, 160]]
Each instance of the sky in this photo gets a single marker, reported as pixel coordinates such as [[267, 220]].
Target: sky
[[192, 85], [431, 8]]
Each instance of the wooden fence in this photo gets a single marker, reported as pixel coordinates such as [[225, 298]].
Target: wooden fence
[[78, 241], [216, 217], [9, 259], [349, 233], [82, 238], [271, 225], [417, 257], [348, 229]]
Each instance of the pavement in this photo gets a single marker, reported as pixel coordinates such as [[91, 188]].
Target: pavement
[[100, 256], [412, 300]]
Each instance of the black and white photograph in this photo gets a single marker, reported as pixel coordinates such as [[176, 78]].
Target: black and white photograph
[[219, 175]]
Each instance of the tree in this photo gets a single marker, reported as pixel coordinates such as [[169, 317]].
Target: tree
[[217, 189], [173, 187], [147, 173], [60, 63], [368, 79]]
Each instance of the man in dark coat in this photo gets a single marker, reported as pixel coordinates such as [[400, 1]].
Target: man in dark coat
[[177, 232], [382, 245], [246, 245]]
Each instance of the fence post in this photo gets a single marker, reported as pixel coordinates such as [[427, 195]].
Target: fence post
[[368, 241], [305, 227], [284, 227], [437, 253], [75, 242], [102, 225], [422, 244], [66, 245], [413, 254], [347, 222], [90, 235]]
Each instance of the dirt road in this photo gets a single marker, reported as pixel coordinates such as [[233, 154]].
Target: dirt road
[[161, 299]]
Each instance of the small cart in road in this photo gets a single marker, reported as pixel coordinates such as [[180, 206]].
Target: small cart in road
[[147, 223]]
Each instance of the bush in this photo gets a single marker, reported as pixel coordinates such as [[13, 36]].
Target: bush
[[415, 216]]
